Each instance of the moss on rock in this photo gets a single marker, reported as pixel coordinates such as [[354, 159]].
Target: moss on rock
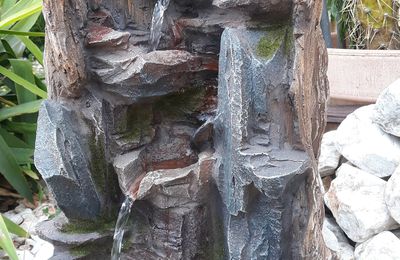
[[270, 43]]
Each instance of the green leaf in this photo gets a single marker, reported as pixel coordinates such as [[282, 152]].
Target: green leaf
[[16, 7], [32, 34], [23, 82], [23, 68], [12, 140], [33, 48], [5, 240], [31, 174], [14, 228], [8, 49], [11, 171], [22, 26], [23, 155], [6, 4], [22, 14], [21, 127], [26, 108]]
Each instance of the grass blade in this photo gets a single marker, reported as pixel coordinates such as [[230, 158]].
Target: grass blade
[[31, 174], [23, 155], [5, 240], [14, 228], [34, 8], [33, 48], [12, 172], [12, 140], [21, 127], [26, 108], [18, 33], [23, 82]]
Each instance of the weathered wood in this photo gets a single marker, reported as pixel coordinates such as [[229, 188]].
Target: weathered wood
[[66, 72]]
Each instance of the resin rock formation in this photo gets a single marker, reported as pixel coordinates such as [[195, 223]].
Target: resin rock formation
[[215, 134]]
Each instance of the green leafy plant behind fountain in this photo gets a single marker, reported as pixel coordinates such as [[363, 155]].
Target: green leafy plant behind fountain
[[372, 24], [21, 92]]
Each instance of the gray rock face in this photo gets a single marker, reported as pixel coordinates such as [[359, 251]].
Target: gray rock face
[[329, 157], [180, 226], [387, 109], [277, 8], [258, 166], [336, 240], [129, 167], [62, 159], [382, 246], [356, 199], [380, 155], [143, 73], [75, 245], [239, 185], [392, 195]]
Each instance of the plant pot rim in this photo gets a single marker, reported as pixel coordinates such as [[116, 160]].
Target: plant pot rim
[[361, 53]]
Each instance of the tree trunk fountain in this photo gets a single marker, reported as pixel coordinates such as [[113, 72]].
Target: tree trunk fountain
[[211, 124]]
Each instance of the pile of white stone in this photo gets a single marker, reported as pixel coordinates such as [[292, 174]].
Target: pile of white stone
[[32, 247], [359, 166]]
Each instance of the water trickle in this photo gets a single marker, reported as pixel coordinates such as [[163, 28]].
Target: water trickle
[[122, 221], [157, 23]]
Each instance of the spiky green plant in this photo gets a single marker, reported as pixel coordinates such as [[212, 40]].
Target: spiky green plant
[[372, 24]]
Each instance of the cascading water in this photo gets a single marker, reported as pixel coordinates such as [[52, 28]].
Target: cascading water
[[122, 221], [157, 23]]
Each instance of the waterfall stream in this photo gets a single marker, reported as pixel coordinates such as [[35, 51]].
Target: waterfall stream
[[157, 23], [122, 221]]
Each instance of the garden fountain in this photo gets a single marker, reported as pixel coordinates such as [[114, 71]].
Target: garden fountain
[[214, 135]]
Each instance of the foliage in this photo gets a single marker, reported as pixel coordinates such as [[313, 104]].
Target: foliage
[[21, 91], [368, 24], [7, 227]]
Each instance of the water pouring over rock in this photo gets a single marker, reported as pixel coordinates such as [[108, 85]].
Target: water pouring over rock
[[157, 23], [120, 227]]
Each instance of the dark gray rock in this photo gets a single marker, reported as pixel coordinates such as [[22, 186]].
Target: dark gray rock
[[129, 167], [135, 75], [62, 159], [52, 231], [261, 174], [105, 37], [278, 9], [75, 245], [178, 225]]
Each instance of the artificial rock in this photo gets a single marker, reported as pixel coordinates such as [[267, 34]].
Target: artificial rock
[[220, 166]]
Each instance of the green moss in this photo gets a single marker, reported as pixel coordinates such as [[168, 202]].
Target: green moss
[[270, 43], [140, 121], [127, 244], [178, 105], [84, 226], [98, 167], [83, 250]]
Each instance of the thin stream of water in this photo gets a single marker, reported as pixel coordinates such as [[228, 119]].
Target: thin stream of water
[[157, 23], [120, 227]]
